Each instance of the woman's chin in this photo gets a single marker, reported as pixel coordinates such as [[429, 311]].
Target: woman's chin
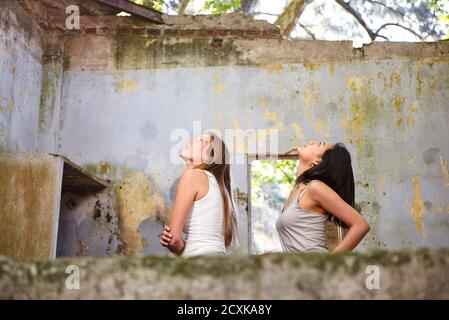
[[186, 158]]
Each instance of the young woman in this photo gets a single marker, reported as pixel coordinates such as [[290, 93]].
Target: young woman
[[203, 207], [324, 190]]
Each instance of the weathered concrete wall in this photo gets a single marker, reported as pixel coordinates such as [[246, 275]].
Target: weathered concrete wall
[[30, 189], [114, 91], [21, 43], [387, 102], [402, 275]]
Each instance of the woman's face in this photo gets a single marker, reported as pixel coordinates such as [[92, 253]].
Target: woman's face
[[197, 150], [312, 152]]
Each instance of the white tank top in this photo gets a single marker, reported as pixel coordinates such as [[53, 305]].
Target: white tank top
[[204, 224]]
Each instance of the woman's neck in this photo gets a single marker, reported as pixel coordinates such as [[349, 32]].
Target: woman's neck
[[300, 169]]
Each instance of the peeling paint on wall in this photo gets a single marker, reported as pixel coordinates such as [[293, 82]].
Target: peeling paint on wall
[[418, 208], [126, 86], [136, 202], [444, 172]]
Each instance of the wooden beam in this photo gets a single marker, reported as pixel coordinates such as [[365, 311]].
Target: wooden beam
[[134, 9]]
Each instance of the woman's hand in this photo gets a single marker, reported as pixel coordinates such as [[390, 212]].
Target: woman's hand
[[166, 237]]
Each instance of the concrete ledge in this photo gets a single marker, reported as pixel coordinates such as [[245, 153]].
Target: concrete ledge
[[419, 274]]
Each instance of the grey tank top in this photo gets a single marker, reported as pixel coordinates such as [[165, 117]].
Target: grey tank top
[[301, 230]]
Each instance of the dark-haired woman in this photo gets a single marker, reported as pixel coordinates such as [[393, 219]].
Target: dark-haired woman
[[324, 190]]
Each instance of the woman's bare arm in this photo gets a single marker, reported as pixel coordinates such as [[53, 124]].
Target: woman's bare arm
[[330, 201], [185, 195]]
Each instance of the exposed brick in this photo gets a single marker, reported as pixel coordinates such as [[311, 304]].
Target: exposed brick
[[104, 31], [122, 31], [221, 33], [205, 33], [90, 30], [171, 32], [271, 34], [237, 33], [153, 32], [187, 32], [253, 34], [138, 31]]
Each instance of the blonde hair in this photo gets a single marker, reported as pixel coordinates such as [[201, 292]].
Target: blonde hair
[[218, 165]]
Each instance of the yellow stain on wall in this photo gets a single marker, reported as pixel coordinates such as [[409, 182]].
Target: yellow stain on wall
[[357, 123], [216, 76], [127, 85], [298, 131], [136, 202], [398, 102], [308, 104], [11, 105], [419, 66], [331, 69], [292, 68], [273, 68], [412, 109], [444, 172], [319, 126], [312, 66], [382, 180], [273, 116], [354, 84], [219, 88], [418, 208], [105, 167], [438, 203], [395, 77], [1, 106], [263, 102]]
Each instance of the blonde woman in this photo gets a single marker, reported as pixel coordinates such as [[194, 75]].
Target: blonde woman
[[203, 208]]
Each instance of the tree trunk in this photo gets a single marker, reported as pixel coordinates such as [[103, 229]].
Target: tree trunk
[[183, 6], [247, 5]]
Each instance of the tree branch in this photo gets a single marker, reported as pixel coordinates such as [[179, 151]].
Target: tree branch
[[400, 26], [358, 17], [287, 20], [307, 30], [247, 5]]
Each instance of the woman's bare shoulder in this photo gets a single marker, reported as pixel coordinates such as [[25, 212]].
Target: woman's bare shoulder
[[318, 187]]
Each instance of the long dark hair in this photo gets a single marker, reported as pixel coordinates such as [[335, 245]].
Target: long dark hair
[[219, 166], [335, 170]]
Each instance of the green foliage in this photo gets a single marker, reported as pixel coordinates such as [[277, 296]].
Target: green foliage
[[222, 6], [267, 172], [158, 5], [441, 8]]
